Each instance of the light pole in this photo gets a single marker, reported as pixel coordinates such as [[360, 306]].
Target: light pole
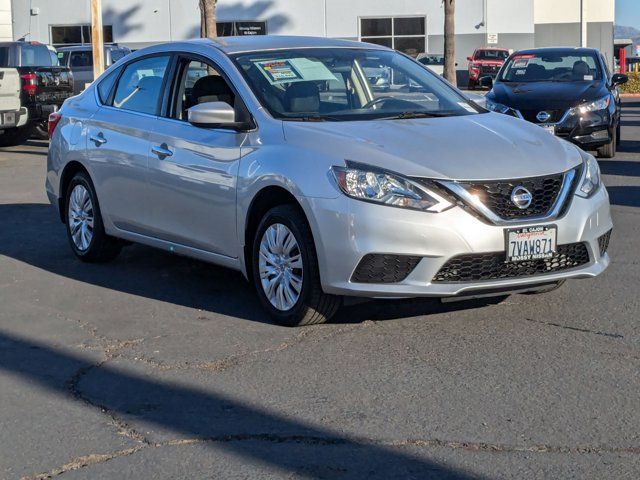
[[97, 38]]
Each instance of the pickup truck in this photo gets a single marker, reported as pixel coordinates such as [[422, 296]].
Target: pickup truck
[[44, 86], [79, 59], [485, 62], [9, 99]]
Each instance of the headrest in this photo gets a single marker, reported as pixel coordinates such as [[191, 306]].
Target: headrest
[[581, 68], [212, 88], [302, 97]]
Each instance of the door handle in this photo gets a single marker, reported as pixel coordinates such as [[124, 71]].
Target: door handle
[[162, 151], [98, 139]]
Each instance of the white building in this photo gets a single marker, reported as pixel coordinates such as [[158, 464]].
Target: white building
[[409, 25]]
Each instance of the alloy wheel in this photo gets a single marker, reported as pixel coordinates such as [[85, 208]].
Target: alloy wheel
[[280, 265], [80, 217]]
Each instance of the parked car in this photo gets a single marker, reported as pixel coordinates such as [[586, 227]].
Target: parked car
[[485, 62], [80, 60], [44, 87], [435, 61], [312, 195], [9, 99], [568, 91]]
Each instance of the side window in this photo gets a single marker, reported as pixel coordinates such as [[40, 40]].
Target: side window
[[106, 85], [81, 59], [198, 82], [140, 86]]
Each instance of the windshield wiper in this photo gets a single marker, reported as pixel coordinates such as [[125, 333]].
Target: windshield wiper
[[313, 118], [406, 115]]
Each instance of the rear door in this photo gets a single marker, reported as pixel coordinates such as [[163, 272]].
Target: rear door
[[118, 140], [192, 170]]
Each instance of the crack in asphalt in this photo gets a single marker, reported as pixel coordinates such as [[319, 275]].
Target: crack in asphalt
[[575, 329], [94, 459], [252, 355]]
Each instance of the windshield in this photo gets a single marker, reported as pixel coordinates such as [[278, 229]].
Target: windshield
[[432, 60], [347, 84], [491, 55], [545, 67]]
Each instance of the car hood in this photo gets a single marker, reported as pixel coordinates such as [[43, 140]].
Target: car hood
[[546, 95], [471, 147]]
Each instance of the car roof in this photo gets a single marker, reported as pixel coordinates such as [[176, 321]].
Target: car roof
[[82, 48], [559, 50], [251, 43]]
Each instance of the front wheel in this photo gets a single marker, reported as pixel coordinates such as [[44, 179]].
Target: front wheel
[[285, 270], [609, 150]]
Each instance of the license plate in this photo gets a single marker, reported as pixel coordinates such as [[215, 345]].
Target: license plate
[[531, 243], [550, 128], [8, 119]]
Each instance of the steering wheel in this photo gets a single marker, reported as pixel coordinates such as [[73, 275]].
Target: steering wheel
[[375, 101]]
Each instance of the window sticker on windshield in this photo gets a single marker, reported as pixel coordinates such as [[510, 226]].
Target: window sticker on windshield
[[521, 63], [294, 70], [521, 72], [279, 71], [588, 77]]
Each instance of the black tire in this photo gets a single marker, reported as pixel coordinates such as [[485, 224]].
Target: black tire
[[41, 131], [313, 305], [102, 247], [471, 85], [15, 136], [618, 134], [609, 150]]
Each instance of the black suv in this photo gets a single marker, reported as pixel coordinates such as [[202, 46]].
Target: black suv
[[568, 91]]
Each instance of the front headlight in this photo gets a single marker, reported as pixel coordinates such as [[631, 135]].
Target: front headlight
[[500, 108], [600, 104], [590, 177], [371, 184]]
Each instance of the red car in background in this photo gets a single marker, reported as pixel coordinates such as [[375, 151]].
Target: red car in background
[[485, 62]]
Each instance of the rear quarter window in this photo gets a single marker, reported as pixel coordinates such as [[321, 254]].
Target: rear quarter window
[[106, 85]]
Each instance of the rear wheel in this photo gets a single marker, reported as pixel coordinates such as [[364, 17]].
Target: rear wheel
[[609, 150], [85, 229], [285, 270], [15, 136], [41, 131]]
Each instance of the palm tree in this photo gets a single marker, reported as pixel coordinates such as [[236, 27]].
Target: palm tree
[[449, 41], [208, 27]]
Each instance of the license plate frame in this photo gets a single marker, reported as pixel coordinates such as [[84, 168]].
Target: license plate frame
[[549, 128], [518, 240]]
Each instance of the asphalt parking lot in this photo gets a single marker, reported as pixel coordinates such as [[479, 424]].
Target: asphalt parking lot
[[156, 366]]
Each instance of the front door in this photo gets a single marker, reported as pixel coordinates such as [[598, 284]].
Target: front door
[[192, 170]]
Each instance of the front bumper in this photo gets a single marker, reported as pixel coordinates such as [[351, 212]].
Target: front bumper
[[346, 230]]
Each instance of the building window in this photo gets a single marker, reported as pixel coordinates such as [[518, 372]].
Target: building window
[[229, 29], [406, 34], [77, 34]]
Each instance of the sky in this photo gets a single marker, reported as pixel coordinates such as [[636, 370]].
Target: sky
[[628, 13]]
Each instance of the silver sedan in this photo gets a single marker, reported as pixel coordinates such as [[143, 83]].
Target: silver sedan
[[322, 169]]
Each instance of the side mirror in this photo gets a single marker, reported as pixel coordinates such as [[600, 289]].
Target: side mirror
[[469, 58], [619, 79], [215, 115], [486, 82]]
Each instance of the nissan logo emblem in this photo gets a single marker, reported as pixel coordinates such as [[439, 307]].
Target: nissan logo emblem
[[521, 197], [543, 116]]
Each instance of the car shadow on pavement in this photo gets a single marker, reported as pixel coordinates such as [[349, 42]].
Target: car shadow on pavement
[[627, 196], [260, 437], [625, 168], [155, 274]]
